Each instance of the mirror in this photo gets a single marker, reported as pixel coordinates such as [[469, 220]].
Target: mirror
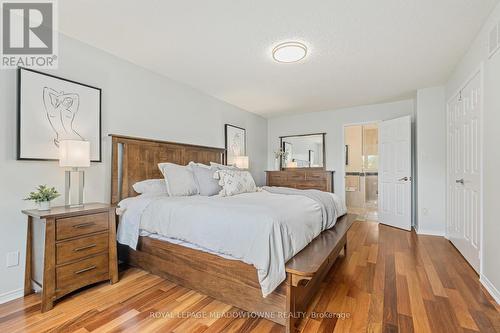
[[303, 151]]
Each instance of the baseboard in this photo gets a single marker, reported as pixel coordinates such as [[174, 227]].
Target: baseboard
[[10, 295], [490, 288], [430, 232]]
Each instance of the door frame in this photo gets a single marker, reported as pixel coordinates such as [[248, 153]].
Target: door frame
[[343, 170], [479, 70]]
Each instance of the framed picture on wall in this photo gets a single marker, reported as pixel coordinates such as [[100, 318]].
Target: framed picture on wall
[[236, 141], [51, 109]]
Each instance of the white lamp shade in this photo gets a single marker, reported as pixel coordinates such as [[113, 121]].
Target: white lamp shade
[[74, 154], [241, 162]]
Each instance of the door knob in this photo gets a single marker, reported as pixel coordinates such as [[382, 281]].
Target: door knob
[[404, 179], [460, 181]]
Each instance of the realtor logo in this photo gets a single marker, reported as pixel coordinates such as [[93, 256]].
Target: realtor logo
[[29, 35]]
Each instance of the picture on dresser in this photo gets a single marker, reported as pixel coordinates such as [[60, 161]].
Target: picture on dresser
[[51, 109], [235, 138]]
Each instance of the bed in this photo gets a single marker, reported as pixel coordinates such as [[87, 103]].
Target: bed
[[231, 281]]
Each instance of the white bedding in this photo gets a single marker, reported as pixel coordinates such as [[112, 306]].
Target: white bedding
[[262, 229]]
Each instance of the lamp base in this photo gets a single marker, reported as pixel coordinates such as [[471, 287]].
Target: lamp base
[[74, 186]]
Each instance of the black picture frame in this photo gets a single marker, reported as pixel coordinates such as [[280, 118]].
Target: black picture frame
[[226, 140], [19, 113]]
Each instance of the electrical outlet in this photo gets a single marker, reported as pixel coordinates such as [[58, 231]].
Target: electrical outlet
[[13, 259]]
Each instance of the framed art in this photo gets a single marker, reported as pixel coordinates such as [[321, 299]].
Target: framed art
[[51, 109], [235, 138]]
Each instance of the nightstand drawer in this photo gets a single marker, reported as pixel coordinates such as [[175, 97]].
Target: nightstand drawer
[[82, 273], [80, 248], [81, 225]]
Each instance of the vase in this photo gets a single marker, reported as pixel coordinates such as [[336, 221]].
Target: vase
[[276, 164], [44, 205]]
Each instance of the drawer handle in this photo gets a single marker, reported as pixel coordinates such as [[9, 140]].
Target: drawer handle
[[85, 269], [83, 225], [77, 249]]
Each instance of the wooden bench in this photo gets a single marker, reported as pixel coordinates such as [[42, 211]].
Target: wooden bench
[[307, 269]]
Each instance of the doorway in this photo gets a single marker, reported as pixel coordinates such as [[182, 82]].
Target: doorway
[[361, 170]]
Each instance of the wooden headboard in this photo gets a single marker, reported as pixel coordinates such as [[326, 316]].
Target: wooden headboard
[[136, 159]]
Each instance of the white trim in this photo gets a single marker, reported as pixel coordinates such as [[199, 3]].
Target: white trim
[[11, 295], [490, 288], [430, 232]]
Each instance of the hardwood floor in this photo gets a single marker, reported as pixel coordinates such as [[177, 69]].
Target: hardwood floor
[[390, 281]]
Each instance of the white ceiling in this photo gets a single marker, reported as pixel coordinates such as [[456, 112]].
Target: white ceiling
[[360, 51]]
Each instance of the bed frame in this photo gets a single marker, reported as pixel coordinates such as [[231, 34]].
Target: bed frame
[[230, 281]]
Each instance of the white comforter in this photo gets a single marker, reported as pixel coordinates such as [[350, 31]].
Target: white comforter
[[261, 228]]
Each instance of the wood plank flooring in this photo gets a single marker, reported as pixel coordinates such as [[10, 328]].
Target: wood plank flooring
[[390, 281]]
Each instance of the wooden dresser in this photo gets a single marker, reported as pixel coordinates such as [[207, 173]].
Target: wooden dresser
[[69, 248], [303, 178]]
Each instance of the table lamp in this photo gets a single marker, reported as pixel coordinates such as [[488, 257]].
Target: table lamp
[[241, 162], [75, 155]]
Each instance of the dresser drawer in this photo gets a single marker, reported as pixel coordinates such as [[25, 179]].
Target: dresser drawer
[[276, 177], [296, 176], [82, 273], [80, 248], [81, 225], [310, 186], [316, 175]]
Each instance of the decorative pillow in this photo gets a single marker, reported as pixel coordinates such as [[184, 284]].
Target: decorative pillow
[[223, 167], [235, 182], [179, 179], [200, 165], [204, 177], [151, 186]]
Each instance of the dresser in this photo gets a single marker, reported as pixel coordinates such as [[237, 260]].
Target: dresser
[[69, 248], [301, 178]]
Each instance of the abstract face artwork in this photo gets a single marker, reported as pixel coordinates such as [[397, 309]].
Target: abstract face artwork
[[52, 109], [62, 109], [235, 142]]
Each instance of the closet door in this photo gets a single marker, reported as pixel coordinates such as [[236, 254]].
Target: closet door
[[464, 171]]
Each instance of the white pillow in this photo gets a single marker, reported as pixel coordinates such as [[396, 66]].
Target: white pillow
[[151, 186], [201, 165], [179, 179], [223, 167], [204, 176], [235, 182]]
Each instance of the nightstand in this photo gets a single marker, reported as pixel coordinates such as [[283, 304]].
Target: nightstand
[[69, 248]]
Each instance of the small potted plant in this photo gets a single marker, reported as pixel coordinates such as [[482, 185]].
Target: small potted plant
[[43, 196]]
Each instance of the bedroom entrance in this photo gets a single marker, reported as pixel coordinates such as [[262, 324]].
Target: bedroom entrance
[[361, 170]]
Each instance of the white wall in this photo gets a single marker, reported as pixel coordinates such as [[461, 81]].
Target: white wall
[[332, 123], [431, 160], [478, 54], [135, 102]]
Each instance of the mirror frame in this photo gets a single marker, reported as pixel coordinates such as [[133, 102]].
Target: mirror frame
[[299, 135]]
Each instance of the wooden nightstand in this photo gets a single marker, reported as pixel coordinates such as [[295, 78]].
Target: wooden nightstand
[[69, 248]]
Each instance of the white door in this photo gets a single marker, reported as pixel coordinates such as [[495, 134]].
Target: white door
[[464, 171], [394, 184]]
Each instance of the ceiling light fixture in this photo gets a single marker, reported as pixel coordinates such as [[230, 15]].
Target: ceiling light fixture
[[289, 52]]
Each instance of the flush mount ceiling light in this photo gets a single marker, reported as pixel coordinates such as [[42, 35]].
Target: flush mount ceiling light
[[289, 52]]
